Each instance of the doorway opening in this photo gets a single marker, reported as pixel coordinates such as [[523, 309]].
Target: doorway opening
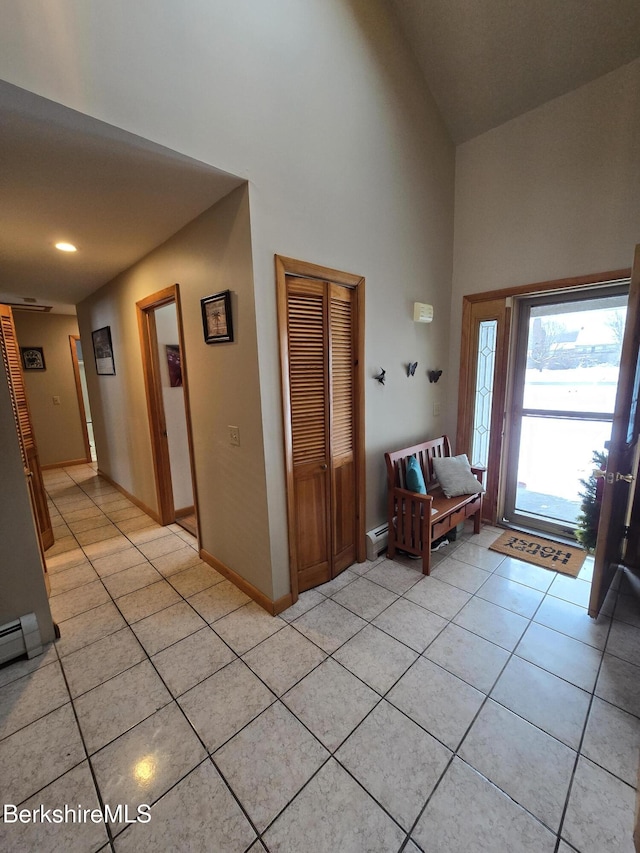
[[166, 385], [503, 331], [86, 420], [565, 376]]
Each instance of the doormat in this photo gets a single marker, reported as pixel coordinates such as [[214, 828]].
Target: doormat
[[541, 552]]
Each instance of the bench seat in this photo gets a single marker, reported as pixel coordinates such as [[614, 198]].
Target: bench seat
[[415, 520]]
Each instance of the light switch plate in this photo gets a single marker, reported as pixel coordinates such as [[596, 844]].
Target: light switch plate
[[436, 410], [56, 401], [234, 435]]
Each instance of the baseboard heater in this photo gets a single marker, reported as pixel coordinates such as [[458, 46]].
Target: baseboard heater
[[377, 541], [22, 636]]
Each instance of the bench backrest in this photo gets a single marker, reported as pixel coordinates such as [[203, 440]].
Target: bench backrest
[[424, 453]]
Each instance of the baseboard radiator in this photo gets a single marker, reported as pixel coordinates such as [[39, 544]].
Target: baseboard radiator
[[377, 541], [22, 636]]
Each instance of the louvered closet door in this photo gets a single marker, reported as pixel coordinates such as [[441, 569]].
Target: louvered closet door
[[320, 319], [28, 448], [342, 444]]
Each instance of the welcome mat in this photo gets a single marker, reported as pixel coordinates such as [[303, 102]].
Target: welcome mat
[[541, 552]]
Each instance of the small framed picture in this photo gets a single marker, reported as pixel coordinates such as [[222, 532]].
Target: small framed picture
[[216, 318], [103, 352], [32, 358]]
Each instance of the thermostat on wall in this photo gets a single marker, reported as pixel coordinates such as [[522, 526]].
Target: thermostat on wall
[[422, 313]]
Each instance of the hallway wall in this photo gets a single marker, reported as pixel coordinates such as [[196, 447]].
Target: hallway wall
[[210, 254], [58, 428], [322, 108]]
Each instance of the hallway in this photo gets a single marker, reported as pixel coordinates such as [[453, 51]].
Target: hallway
[[477, 709]]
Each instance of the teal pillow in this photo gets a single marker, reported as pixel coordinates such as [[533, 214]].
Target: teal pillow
[[414, 477]]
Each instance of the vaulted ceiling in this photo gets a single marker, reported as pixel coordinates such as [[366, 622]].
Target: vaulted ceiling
[[488, 61], [485, 62]]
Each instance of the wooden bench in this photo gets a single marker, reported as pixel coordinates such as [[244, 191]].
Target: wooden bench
[[412, 524]]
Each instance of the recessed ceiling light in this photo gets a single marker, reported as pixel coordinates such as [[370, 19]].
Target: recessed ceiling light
[[66, 247]]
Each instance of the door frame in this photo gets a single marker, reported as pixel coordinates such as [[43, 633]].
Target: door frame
[[303, 269], [83, 412], [517, 410], [155, 405], [500, 417], [619, 506]]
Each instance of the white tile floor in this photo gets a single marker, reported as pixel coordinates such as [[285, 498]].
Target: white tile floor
[[479, 709]]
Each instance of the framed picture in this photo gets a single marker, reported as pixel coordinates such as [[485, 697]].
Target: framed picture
[[32, 358], [174, 365], [216, 318], [103, 352]]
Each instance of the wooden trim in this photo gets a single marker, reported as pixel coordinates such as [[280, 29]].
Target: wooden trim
[[576, 282], [361, 469], [473, 315], [134, 500], [67, 464], [243, 585], [307, 270], [83, 412], [155, 405], [185, 510], [289, 266], [282, 604]]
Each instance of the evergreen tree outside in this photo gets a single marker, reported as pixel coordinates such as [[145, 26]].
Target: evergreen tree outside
[[587, 532]]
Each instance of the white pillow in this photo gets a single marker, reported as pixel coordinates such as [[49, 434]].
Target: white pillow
[[455, 476]]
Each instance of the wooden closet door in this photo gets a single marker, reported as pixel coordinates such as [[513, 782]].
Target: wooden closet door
[[342, 326], [28, 448], [308, 340]]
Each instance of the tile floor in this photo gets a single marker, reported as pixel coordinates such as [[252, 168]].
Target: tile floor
[[479, 709]]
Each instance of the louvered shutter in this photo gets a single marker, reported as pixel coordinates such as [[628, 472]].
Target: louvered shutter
[[28, 450]]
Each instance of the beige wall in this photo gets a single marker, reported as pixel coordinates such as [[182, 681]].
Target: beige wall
[[554, 193], [321, 107], [22, 588], [213, 253], [58, 429]]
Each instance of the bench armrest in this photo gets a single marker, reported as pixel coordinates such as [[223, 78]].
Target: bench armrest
[[479, 471], [414, 496]]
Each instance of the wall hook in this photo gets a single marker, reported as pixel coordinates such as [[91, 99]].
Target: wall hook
[[434, 375], [380, 377], [411, 368]]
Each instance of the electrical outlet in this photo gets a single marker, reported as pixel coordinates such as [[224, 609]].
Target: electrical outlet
[[234, 435], [436, 410], [56, 401]]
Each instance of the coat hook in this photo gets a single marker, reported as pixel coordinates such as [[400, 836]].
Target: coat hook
[[380, 377], [434, 375], [411, 368]]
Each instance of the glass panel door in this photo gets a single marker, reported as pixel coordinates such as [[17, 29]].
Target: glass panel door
[[564, 394]]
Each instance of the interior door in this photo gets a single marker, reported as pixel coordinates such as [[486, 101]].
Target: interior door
[[28, 447], [309, 419], [621, 475], [320, 344]]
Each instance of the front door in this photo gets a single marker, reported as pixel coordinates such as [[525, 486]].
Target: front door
[[566, 373], [320, 341], [621, 481]]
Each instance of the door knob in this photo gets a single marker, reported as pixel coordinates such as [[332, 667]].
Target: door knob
[[323, 467], [615, 478]]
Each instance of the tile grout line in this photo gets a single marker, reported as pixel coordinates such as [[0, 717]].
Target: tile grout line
[[370, 622]]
